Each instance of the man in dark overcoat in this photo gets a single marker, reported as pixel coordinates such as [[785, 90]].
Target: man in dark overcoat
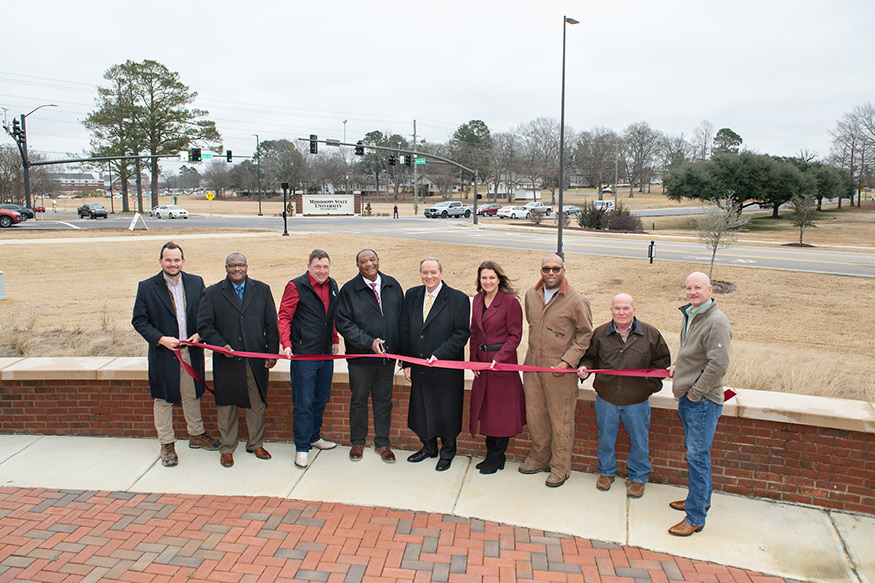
[[165, 312], [435, 325], [368, 318], [239, 313]]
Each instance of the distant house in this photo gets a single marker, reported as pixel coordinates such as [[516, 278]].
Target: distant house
[[76, 181]]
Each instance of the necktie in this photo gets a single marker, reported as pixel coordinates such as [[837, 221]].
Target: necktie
[[239, 294], [427, 307], [373, 285]]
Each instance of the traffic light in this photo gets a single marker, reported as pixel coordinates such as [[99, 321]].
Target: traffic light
[[195, 155], [228, 156], [16, 130], [314, 145], [392, 160], [360, 148], [408, 160]]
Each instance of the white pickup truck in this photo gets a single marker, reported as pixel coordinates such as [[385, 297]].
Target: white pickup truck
[[540, 207], [448, 208]]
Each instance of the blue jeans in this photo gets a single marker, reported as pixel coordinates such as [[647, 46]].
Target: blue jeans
[[636, 422], [311, 388], [699, 419]]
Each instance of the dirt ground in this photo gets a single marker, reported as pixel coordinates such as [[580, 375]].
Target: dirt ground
[[71, 293]]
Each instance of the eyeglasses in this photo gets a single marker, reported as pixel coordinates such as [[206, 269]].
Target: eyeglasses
[[554, 269], [235, 265]]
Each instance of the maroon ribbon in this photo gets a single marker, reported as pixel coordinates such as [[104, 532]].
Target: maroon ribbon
[[451, 364]]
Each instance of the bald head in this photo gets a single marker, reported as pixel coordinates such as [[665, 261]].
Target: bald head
[[623, 311], [698, 289], [552, 271]]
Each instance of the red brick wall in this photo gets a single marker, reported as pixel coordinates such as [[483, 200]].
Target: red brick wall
[[826, 467]]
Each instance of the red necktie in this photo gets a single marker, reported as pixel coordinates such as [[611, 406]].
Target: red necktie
[[377, 293]]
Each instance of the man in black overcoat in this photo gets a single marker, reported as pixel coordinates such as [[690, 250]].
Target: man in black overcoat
[[435, 325], [165, 312], [239, 313]]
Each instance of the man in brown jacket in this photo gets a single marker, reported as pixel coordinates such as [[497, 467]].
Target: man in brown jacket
[[624, 342], [560, 326]]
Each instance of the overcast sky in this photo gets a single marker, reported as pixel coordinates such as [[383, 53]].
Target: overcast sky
[[780, 73]]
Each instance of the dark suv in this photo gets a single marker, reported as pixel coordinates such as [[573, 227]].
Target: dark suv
[[91, 210], [25, 212]]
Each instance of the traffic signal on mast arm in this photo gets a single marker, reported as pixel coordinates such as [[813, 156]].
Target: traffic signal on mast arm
[[16, 131], [194, 155], [408, 160], [392, 160], [314, 145], [360, 148], [228, 156]]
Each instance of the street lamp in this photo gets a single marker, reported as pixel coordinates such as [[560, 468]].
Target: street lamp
[[22, 149], [560, 214], [258, 169]]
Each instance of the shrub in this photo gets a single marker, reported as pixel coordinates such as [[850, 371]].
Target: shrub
[[621, 219], [591, 217]]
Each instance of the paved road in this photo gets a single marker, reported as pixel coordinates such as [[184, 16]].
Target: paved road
[[850, 263]]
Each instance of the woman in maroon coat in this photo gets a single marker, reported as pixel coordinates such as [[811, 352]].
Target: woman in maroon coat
[[498, 405]]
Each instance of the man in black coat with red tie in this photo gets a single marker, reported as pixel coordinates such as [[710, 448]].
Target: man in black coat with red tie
[[435, 325]]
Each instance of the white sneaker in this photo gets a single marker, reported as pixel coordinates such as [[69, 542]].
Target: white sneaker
[[302, 459], [323, 444]]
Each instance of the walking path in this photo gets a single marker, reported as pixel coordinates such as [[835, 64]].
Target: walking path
[[104, 509]]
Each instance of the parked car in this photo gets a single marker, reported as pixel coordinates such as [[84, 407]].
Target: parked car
[[92, 211], [9, 217], [153, 210], [488, 209], [540, 207], [513, 212], [38, 208], [448, 208], [170, 211], [603, 204], [570, 210], [25, 212]]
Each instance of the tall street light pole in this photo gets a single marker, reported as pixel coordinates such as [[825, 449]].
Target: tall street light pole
[[258, 169], [560, 215]]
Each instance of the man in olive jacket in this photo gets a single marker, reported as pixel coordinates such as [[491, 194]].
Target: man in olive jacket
[[239, 313], [701, 364], [560, 326], [624, 342]]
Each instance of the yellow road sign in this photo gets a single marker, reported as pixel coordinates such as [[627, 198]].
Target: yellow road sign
[[211, 195]]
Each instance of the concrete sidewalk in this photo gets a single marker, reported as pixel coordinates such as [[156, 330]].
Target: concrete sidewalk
[[785, 542]]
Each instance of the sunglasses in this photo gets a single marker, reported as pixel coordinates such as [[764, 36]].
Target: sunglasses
[[554, 269]]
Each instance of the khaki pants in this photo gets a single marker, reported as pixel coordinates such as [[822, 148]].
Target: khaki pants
[[191, 407], [226, 417], [550, 406]]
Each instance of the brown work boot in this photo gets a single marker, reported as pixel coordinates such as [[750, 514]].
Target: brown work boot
[[203, 441], [168, 455]]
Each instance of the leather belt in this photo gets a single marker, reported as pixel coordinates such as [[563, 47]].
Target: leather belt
[[489, 347]]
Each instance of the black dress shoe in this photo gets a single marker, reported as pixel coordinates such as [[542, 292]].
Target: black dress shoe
[[419, 456], [443, 465]]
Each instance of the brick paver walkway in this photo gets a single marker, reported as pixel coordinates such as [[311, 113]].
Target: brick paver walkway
[[74, 535]]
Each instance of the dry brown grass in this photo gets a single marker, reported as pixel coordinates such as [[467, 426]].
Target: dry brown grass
[[794, 332]]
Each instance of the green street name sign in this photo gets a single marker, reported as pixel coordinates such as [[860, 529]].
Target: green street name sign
[[420, 160]]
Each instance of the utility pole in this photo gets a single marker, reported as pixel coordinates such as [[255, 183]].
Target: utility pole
[[415, 172]]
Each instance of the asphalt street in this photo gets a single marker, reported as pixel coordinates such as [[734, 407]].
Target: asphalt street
[[488, 233]]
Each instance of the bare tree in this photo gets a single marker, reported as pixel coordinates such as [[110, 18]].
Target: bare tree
[[642, 143], [505, 162], [597, 152], [702, 138], [541, 153], [718, 227], [217, 176], [853, 145]]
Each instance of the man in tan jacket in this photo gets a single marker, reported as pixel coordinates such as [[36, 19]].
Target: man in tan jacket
[[560, 327]]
